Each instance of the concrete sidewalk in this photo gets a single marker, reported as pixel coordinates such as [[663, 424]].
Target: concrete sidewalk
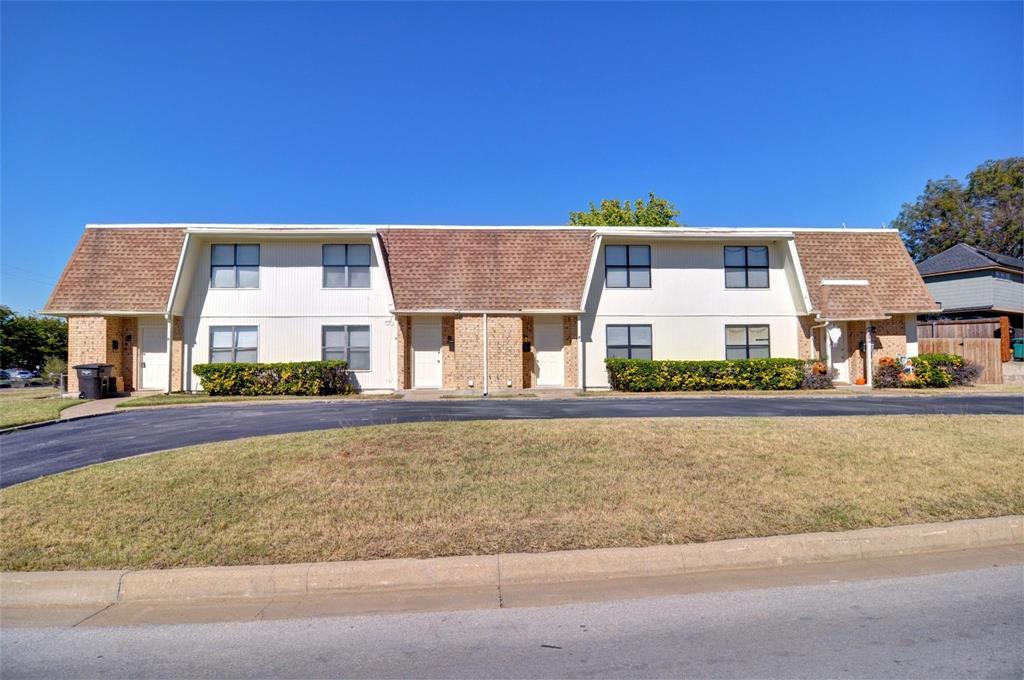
[[473, 581]]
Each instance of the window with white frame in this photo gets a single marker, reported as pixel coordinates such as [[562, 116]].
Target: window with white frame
[[346, 265], [747, 342], [234, 344], [627, 266], [628, 341], [349, 343], [746, 266], [235, 265]]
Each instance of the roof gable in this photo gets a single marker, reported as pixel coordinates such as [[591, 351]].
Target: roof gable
[[487, 269], [878, 257], [119, 270]]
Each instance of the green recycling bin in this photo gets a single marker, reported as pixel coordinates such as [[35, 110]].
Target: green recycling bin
[[1018, 349]]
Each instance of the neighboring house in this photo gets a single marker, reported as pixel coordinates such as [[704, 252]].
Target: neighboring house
[[971, 283], [438, 307]]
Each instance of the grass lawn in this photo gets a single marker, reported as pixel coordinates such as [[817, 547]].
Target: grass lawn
[[24, 405], [200, 398], [430, 489]]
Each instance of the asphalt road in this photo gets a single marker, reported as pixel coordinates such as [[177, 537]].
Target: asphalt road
[[966, 624], [47, 450]]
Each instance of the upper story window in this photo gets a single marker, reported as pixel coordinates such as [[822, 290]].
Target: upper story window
[[628, 342], [235, 265], [746, 266], [627, 266], [231, 344], [747, 342], [346, 266]]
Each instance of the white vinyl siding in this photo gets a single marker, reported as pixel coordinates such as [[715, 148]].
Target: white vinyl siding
[[689, 305], [291, 307]]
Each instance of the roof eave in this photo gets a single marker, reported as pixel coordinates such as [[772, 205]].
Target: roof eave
[[489, 311], [102, 312]]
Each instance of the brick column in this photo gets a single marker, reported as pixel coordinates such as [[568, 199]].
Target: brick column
[[528, 357], [404, 352], [177, 348], [570, 351]]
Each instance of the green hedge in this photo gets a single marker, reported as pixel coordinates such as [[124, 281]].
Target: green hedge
[[642, 375], [294, 378], [930, 370]]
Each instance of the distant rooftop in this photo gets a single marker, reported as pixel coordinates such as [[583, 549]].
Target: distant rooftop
[[963, 257]]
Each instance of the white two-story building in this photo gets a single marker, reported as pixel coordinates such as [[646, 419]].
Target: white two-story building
[[417, 307]]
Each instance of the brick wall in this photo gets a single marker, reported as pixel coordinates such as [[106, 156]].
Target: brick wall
[[570, 351], [91, 341], [890, 341], [87, 344], [528, 357], [505, 352], [806, 338], [464, 363]]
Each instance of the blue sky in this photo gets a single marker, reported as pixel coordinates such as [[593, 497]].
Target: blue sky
[[743, 114]]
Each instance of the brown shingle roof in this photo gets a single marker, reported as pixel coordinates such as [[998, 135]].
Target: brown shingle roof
[[487, 269], [119, 270], [849, 302], [877, 256]]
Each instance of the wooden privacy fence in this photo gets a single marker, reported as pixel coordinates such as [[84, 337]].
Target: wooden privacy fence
[[983, 351], [997, 327]]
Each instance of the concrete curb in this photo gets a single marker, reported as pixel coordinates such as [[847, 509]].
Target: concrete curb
[[31, 589]]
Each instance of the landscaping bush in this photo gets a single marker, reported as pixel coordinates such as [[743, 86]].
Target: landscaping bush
[[644, 375], [294, 378], [818, 376], [929, 370]]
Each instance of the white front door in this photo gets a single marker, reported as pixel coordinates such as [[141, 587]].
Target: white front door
[[547, 342], [426, 352], [154, 357], [840, 352]]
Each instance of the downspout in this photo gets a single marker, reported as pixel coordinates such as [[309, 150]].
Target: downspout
[[579, 352], [170, 359], [169, 316], [828, 344], [485, 356], [868, 342]]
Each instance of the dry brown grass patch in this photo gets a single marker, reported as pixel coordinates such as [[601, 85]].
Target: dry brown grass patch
[[482, 487]]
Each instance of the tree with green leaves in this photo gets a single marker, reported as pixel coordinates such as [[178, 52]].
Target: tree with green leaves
[[656, 212], [988, 213], [26, 341]]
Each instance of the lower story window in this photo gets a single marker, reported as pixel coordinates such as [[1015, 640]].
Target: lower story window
[[348, 343], [747, 342], [233, 344], [628, 342]]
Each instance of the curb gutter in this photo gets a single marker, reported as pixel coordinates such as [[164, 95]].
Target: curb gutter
[[30, 589]]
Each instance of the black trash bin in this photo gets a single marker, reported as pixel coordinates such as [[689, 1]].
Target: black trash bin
[[95, 380]]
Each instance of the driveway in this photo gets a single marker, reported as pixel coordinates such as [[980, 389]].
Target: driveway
[[27, 454]]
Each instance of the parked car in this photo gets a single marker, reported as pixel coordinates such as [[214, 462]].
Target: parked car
[[5, 379], [21, 377]]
